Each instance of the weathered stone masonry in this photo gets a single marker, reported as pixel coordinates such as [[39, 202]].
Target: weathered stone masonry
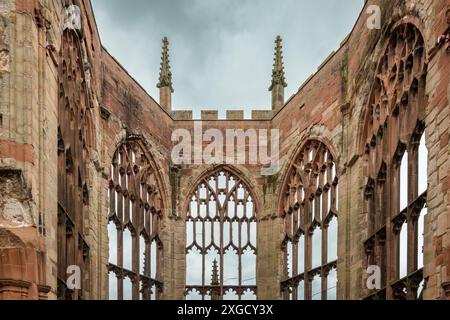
[[68, 108]]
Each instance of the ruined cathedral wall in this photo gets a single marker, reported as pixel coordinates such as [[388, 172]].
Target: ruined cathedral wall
[[97, 163], [30, 41], [128, 112], [29, 31], [330, 106], [362, 60], [187, 176], [327, 107], [314, 112]]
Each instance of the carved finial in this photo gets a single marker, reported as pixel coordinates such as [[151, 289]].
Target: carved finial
[[278, 76], [165, 75], [215, 274]]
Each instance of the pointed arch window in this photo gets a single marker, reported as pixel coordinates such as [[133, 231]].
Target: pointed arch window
[[396, 181], [310, 225], [221, 222], [135, 214], [74, 142]]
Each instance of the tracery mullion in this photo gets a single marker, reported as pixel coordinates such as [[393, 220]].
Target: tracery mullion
[[120, 190], [221, 226], [308, 258], [136, 253], [72, 150], [239, 223], [412, 196], [324, 261], [311, 213], [377, 205], [227, 223], [146, 229], [134, 212], [294, 253]]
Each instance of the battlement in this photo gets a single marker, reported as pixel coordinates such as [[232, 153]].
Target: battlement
[[231, 115]]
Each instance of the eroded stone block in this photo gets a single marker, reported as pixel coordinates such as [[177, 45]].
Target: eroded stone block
[[15, 200], [72, 18]]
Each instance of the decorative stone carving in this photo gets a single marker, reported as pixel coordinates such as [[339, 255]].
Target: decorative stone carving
[[4, 52], [15, 207], [4, 60], [318, 130], [72, 18]]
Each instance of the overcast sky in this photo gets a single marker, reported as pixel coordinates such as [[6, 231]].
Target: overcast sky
[[222, 50]]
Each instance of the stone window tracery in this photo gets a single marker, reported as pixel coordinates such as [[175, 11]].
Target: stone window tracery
[[135, 214], [396, 174], [310, 225], [73, 149], [221, 239]]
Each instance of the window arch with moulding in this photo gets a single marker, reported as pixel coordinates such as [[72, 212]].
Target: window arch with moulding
[[309, 206], [221, 233], [135, 216], [396, 157], [75, 140]]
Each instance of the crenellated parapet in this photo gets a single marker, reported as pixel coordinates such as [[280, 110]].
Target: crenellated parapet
[[230, 115]]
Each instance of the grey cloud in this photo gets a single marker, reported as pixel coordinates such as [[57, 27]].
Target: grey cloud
[[222, 50]]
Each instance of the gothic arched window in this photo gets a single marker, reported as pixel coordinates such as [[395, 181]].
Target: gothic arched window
[[396, 181], [310, 210], [135, 213], [221, 239], [74, 140]]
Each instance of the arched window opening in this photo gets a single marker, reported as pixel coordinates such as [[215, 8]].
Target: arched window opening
[[316, 288], [403, 251], [332, 285], [332, 232], [421, 238], [300, 255], [135, 214], [316, 245], [221, 239], [310, 245], [289, 258], [403, 190], [393, 144], [74, 141], [423, 166], [301, 290]]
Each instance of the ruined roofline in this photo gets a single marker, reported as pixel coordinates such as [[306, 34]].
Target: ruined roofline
[[325, 62], [207, 115], [231, 115], [134, 80], [235, 115]]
